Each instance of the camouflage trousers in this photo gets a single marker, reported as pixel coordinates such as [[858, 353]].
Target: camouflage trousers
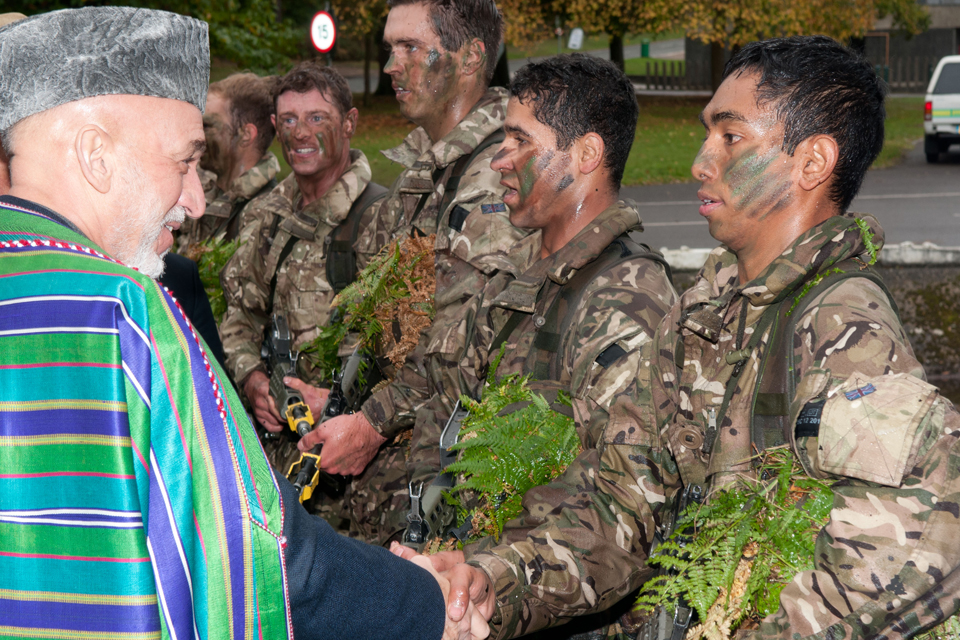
[[376, 503]]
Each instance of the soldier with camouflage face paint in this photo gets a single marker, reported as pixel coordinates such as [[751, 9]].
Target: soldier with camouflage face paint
[[281, 264], [789, 136], [443, 55], [237, 166]]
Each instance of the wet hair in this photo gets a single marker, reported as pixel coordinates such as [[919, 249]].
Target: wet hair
[[817, 86], [251, 102], [309, 75], [576, 94], [456, 22]]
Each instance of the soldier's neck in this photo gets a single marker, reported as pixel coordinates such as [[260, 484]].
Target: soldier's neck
[[247, 160], [556, 236], [315, 186], [451, 113]]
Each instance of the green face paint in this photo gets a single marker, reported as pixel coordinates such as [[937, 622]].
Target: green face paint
[[528, 176], [754, 186]]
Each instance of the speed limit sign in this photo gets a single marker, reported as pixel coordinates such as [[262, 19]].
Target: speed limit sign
[[323, 32]]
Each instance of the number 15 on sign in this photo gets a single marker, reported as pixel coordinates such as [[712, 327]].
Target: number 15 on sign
[[323, 32]]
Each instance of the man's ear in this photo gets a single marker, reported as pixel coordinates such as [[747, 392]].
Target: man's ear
[[273, 121], [589, 152], [817, 157], [95, 153], [248, 134], [350, 122], [474, 57]]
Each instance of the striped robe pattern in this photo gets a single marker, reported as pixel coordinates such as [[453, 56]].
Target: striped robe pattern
[[135, 501]]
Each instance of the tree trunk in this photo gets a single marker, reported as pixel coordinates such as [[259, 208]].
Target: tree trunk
[[716, 65], [501, 75], [384, 84], [616, 51], [367, 55]]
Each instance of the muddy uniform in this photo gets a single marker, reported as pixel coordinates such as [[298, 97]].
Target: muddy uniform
[[224, 215], [887, 557], [474, 238], [277, 226]]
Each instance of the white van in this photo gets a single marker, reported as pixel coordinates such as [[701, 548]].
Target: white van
[[941, 110]]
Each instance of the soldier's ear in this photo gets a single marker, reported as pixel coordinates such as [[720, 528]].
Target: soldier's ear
[[350, 122], [474, 57], [248, 134], [816, 159], [96, 155], [589, 152]]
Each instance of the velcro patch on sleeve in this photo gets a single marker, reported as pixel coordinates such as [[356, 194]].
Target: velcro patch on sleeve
[[457, 217], [870, 427]]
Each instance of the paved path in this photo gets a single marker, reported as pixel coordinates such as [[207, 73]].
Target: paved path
[[914, 202]]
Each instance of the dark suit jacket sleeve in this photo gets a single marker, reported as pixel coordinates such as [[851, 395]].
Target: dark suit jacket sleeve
[[343, 588], [182, 277]]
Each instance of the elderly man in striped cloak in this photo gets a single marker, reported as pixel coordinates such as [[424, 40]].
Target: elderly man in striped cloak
[[135, 501]]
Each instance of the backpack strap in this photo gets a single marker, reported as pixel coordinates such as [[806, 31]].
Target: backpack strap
[[776, 379], [341, 260], [543, 362], [230, 225]]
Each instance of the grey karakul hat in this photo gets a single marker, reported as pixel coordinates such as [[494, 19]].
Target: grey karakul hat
[[58, 57]]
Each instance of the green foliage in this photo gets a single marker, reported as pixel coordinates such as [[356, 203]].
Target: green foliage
[[504, 457], [775, 520], [210, 263], [360, 307]]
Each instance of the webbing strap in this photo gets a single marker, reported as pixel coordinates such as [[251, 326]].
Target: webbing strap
[[227, 224], [284, 253], [341, 260]]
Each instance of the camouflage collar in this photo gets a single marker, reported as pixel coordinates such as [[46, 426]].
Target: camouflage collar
[[250, 182], [521, 293], [329, 209], [814, 252], [419, 153]]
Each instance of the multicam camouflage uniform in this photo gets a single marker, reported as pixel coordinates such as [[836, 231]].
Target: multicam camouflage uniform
[[222, 205], [887, 560], [621, 306], [474, 238], [302, 292]]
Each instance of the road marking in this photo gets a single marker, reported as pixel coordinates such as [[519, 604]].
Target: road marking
[[887, 196]]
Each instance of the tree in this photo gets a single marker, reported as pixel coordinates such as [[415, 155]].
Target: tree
[[364, 19], [617, 18], [730, 24]]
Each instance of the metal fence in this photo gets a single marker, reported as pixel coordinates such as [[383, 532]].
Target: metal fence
[[664, 75], [907, 74]]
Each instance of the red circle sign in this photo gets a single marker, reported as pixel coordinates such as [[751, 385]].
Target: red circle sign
[[323, 32]]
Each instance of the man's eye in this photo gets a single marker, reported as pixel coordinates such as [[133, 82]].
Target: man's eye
[[731, 138], [316, 119]]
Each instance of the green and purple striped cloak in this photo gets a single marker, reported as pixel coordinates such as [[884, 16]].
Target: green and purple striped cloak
[[135, 500]]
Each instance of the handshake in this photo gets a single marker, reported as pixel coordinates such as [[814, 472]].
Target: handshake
[[467, 591]]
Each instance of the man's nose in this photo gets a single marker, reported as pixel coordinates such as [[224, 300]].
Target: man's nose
[[191, 198]]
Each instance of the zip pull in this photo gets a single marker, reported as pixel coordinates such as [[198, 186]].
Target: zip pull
[[711, 434]]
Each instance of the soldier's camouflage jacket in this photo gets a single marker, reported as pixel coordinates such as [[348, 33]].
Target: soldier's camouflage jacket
[[221, 205], [302, 292], [621, 306], [474, 234], [886, 563]]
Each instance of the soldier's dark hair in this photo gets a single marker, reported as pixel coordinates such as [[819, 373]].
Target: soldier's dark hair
[[457, 22], [576, 94], [817, 86], [309, 75], [251, 102]]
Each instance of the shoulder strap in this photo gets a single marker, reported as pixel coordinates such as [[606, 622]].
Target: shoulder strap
[[341, 260], [230, 225], [776, 379], [460, 167], [543, 360]]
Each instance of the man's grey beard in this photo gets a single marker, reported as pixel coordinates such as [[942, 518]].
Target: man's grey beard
[[140, 214]]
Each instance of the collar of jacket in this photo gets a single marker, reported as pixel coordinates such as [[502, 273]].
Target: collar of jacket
[[417, 152], [331, 208], [251, 181], [521, 293], [704, 305]]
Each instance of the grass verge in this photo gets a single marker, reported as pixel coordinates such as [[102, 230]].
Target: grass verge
[[667, 140]]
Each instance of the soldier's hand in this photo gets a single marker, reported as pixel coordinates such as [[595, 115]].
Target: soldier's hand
[[257, 390], [471, 623], [315, 397], [349, 444], [469, 586], [443, 561]]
